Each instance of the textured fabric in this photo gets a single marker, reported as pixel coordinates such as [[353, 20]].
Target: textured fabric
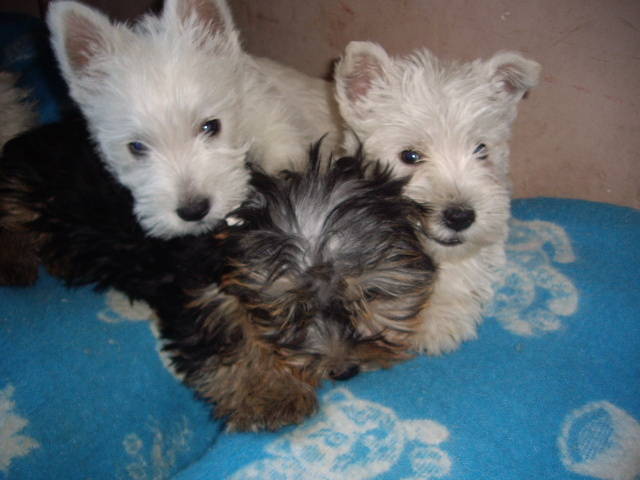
[[549, 389]]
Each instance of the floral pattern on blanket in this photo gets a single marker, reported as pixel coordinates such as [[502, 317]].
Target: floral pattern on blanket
[[355, 439], [600, 440], [533, 296], [13, 443]]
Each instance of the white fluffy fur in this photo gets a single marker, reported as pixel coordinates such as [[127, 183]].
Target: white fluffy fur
[[16, 113], [443, 111], [159, 81]]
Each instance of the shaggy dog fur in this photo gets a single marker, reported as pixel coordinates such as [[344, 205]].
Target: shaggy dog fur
[[320, 274], [326, 277], [16, 116], [446, 125]]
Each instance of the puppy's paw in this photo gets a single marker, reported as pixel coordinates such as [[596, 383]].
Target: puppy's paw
[[440, 335], [18, 259], [257, 414], [18, 274]]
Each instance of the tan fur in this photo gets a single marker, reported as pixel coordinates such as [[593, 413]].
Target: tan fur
[[16, 115], [18, 251], [256, 384], [256, 388], [19, 258]]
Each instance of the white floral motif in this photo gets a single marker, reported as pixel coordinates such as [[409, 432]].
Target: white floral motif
[[602, 441], [354, 439], [120, 308], [157, 461], [533, 295], [12, 444]]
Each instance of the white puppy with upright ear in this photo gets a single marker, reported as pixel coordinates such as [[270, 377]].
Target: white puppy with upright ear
[[176, 107], [447, 126]]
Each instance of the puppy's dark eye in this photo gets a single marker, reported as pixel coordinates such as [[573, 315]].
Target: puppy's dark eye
[[411, 157], [481, 151], [369, 294], [211, 127], [138, 149]]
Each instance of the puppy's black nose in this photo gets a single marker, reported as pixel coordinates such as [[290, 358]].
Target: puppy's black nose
[[345, 373], [194, 210], [458, 218]]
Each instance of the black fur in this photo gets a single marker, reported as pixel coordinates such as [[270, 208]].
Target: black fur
[[325, 270], [364, 220], [88, 224], [324, 276], [366, 225]]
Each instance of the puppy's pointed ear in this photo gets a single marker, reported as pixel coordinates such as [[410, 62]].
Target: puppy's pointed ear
[[362, 67], [512, 75], [211, 17], [79, 35]]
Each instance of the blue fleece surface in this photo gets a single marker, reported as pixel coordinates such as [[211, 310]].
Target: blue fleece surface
[[550, 389]]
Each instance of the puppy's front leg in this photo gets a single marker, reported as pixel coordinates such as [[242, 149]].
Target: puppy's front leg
[[19, 258], [256, 389]]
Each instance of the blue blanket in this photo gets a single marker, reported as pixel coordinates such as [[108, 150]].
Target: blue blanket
[[550, 390]]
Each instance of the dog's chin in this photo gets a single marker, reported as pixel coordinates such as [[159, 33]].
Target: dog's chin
[[452, 241], [161, 228], [451, 246], [449, 249]]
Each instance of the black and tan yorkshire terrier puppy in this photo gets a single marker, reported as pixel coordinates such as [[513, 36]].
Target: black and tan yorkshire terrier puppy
[[325, 276], [318, 275]]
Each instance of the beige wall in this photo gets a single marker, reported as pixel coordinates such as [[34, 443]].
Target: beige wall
[[578, 134]]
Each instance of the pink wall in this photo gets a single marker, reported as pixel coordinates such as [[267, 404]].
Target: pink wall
[[578, 134]]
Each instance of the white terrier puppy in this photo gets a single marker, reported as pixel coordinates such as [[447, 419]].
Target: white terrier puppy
[[176, 107], [446, 125]]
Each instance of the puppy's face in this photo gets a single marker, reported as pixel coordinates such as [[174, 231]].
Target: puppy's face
[[161, 102], [333, 275], [326, 277], [444, 125]]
